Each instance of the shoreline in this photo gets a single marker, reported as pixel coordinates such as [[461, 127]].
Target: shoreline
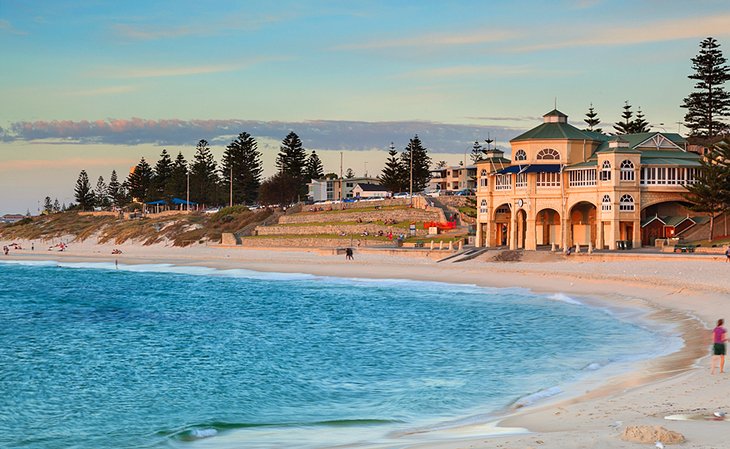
[[663, 303]]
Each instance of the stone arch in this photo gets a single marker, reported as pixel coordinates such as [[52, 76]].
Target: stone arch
[[669, 226], [521, 231], [582, 223], [547, 227], [502, 219]]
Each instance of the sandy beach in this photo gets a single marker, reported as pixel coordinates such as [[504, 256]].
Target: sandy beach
[[688, 292]]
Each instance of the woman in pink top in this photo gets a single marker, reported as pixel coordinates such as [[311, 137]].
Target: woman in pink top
[[718, 346]]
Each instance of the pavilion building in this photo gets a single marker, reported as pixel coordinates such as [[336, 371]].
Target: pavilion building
[[567, 186]]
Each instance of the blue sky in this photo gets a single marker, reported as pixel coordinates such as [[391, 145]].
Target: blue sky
[[108, 82]]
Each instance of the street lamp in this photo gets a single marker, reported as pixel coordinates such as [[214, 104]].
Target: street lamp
[[187, 199]]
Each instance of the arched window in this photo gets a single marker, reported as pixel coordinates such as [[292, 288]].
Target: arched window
[[483, 178], [606, 203], [548, 153], [626, 204], [627, 170], [483, 207], [520, 155], [606, 171]]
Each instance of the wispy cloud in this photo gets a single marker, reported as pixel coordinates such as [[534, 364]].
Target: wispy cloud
[[110, 90], [644, 32], [468, 70], [320, 134], [41, 164], [431, 40], [174, 71], [525, 118], [7, 27], [248, 22]]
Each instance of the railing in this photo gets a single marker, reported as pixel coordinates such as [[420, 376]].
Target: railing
[[582, 178]]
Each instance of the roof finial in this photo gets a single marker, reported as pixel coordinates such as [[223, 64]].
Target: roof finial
[[555, 103]]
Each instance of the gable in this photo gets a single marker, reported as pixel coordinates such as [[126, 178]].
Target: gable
[[658, 142]]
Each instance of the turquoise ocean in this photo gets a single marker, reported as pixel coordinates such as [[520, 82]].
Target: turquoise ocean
[[158, 356]]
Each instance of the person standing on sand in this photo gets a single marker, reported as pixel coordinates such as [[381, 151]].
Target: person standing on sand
[[719, 337], [348, 254]]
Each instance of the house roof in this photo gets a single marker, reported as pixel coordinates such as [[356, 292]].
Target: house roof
[[668, 220], [365, 187], [558, 131]]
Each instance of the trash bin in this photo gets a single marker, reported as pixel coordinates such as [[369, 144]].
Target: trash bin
[[628, 244], [620, 244]]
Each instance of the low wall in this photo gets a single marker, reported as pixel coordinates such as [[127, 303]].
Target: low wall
[[363, 216], [303, 242], [99, 213], [354, 229]]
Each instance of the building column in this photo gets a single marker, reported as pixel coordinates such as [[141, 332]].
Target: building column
[[599, 234], [615, 234], [637, 234], [513, 230], [565, 231], [488, 230], [478, 240], [530, 235]]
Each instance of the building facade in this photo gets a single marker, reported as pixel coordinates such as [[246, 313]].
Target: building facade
[[564, 186], [453, 179], [330, 189]]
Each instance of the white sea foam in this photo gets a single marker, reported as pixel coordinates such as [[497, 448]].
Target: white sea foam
[[530, 399], [203, 433], [562, 297]]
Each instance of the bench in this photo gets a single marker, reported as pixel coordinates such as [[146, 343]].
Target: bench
[[684, 248]]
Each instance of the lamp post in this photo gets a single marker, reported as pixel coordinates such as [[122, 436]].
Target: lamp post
[[410, 189], [230, 203], [187, 199]]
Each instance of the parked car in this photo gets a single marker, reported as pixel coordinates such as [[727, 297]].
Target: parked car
[[400, 195], [465, 192], [434, 193]]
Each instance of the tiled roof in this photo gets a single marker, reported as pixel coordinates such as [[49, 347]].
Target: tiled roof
[[559, 131]]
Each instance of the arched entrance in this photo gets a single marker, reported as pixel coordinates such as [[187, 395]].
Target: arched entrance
[[547, 227], [502, 219], [582, 224]]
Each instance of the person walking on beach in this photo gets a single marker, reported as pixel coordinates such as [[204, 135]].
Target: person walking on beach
[[348, 254], [719, 337]]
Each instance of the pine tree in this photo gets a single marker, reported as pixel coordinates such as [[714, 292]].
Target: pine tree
[[243, 160], [710, 103], [161, 177], [639, 125], [204, 181], [178, 182], [592, 120], [711, 193], [82, 192], [314, 167], [476, 152], [114, 189], [140, 182], [292, 161], [47, 205], [625, 127], [101, 193], [393, 174], [56, 206], [416, 161]]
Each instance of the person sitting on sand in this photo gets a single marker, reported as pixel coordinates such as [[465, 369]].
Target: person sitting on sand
[[719, 337], [727, 254]]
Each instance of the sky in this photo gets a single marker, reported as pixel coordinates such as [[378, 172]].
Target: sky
[[96, 85]]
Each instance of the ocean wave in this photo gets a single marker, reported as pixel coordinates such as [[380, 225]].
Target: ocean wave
[[540, 395], [562, 297], [212, 429]]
